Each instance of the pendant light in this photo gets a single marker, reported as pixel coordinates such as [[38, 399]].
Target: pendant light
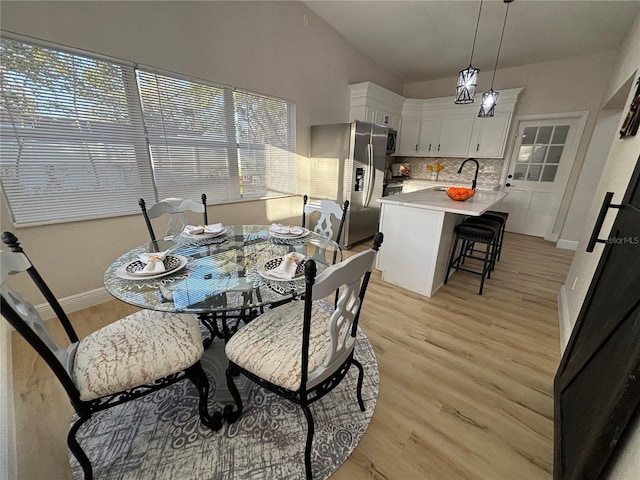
[[490, 98], [468, 78]]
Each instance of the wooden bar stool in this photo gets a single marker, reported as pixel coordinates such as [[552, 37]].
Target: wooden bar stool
[[467, 234]]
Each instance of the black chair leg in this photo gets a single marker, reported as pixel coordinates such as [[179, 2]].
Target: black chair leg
[[486, 268], [360, 381], [229, 415], [307, 448], [198, 377], [453, 256], [76, 449]]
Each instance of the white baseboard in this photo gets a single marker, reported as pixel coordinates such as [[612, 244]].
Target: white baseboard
[[567, 244], [564, 322], [76, 302]]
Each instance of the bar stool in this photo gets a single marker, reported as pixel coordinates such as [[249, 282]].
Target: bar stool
[[467, 234], [495, 214], [501, 218]]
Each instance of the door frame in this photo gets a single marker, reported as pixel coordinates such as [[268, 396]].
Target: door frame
[[582, 117]]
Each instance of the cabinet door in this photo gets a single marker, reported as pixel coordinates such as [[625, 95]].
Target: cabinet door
[[455, 135], [409, 136], [370, 115], [430, 137], [490, 136]]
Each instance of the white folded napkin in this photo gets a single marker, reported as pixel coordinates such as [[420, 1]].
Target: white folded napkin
[[154, 263], [199, 229], [287, 268], [286, 229]]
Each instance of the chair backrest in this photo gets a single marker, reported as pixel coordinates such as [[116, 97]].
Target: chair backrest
[[326, 209], [175, 207], [23, 316], [350, 279]]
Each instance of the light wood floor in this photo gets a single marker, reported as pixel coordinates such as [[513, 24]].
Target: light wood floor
[[465, 380]]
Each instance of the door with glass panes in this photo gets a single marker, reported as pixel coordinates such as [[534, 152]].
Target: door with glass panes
[[541, 160]]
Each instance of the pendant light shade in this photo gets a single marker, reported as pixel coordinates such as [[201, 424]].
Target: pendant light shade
[[468, 78], [467, 83], [490, 98]]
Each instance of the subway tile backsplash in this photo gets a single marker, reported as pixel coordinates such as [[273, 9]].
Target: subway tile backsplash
[[490, 169]]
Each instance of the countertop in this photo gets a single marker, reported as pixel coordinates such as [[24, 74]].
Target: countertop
[[436, 199], [414, 184]]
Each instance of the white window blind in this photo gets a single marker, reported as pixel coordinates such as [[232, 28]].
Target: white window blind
[[84, 137], [72, 140]]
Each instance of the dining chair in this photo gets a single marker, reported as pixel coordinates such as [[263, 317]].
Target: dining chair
[[327, 209], [303, 349], [175, 207], [132, 357]]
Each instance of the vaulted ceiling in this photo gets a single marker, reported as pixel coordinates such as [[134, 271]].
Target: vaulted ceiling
[[430, 39]]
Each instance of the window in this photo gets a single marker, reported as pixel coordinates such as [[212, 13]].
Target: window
[[85, 137]]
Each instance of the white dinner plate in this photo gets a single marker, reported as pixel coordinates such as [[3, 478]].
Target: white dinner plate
[[263, 270], [122, 272], [205, 235], [290, 236]]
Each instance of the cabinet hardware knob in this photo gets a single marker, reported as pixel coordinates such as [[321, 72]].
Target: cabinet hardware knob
[[416, 147], [438, 147], [507, 185], [509, 176], [478, 147]]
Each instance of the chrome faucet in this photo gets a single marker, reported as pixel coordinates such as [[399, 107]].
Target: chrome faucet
[[475, 177]]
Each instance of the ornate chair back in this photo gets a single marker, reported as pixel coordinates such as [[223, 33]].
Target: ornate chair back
[[175, 207], [327, 209]]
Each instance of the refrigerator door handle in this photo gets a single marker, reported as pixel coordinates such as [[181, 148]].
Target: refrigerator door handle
[[372, 174]]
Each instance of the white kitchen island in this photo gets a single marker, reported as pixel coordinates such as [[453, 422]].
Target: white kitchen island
[[418, 235]]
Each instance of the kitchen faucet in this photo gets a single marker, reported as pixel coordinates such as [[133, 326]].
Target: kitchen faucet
[[475, 177]]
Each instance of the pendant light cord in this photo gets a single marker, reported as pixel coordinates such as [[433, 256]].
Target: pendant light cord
[[473, 47], [500, 44]]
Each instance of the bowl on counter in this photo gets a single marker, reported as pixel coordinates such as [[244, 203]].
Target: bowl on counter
[[460, 194]]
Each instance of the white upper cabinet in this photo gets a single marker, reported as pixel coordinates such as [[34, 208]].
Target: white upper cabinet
[[438, 128], [489, 136], [372, 103], [455, 134], [409, 137]]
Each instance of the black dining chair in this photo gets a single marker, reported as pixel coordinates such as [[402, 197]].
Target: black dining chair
[[132, 357], [303, 349], [175, 207]]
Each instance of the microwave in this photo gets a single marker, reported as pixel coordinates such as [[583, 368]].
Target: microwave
[[392, 137]]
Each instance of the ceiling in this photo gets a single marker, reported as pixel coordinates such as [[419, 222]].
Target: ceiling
[[430, 39]]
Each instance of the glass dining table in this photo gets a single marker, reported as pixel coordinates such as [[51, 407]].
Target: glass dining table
[[224, 279]]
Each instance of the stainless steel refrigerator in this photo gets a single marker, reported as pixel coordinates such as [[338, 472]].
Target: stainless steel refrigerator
[[347, 162]]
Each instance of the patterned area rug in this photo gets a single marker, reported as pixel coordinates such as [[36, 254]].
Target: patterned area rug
[[160, 436]]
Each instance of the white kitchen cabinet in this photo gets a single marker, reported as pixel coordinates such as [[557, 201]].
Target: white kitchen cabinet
[[489, 136], [372, 103], [430, 136], [409, 142], [455, 135]]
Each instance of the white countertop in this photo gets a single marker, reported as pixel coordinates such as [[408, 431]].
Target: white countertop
[[436, 199], [414, 184]]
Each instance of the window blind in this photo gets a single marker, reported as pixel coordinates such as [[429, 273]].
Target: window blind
[[71, 134], [84, 137]]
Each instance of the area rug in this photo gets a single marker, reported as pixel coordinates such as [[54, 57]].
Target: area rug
[[160, 436]]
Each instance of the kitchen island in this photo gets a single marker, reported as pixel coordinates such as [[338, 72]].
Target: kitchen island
[[418, 232]]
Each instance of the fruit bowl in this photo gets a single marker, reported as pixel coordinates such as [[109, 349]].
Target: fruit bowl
[[460, 193]]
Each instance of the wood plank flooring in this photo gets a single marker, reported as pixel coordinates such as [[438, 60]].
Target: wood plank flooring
[[465, 380]]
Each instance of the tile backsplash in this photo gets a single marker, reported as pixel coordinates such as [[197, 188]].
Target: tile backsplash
[[490, 169]]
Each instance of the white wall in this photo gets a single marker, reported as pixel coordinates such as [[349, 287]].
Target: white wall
[[573, 85]]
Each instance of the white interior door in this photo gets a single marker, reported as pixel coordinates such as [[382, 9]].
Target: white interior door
[[539, 168]]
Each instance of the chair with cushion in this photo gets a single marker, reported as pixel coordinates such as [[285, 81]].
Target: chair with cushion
[[327, 209], [175, 207], [130, 358], [303, 349]]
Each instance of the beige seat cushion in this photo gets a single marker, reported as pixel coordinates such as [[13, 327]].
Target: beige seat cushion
[[271, 346], [135, 350]]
